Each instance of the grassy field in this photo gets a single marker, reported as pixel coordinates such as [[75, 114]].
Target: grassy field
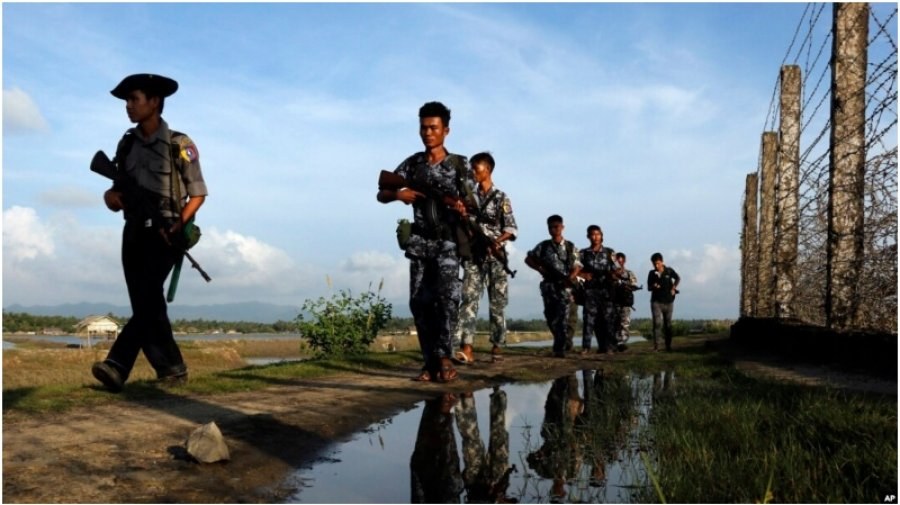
[[716, 435], [720, 436]]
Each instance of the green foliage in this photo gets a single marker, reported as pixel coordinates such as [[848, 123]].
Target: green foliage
[[22, 322], [344, 325]]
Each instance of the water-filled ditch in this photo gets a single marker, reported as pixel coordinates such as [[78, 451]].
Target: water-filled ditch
[[577, 439]]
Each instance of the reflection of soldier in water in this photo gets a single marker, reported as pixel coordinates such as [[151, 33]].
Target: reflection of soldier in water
[[582, 430], [434, 466], [556, 458], [486, 475]]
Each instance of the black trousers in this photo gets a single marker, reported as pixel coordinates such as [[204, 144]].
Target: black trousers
[[146, 261]]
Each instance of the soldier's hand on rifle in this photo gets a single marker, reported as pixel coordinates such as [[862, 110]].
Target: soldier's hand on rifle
[[407, 195], [113, 200], [459, 206]]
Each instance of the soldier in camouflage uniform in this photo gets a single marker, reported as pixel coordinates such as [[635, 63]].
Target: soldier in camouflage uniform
[[434, 283], [625, 287], [486, 474], [556, 259], [600, 317], [494, 217]]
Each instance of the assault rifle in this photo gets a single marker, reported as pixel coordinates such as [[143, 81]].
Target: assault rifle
[[392, 181], [142, 204]]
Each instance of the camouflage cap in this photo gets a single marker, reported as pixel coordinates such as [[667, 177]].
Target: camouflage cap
[[156, 85]]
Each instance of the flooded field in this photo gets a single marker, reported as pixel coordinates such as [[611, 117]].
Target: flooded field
[[581, 438]]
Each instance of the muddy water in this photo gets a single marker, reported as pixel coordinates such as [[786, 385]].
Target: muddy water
[[577, 439]]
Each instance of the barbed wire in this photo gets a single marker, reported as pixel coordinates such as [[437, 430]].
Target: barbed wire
[[877, 291]]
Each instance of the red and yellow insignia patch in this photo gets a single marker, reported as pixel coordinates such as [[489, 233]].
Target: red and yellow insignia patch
[[190, 153]]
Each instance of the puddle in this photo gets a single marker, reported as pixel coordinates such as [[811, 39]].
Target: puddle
[[549, 343], [577, 439], [270, 361]]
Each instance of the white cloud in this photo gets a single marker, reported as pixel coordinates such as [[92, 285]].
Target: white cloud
[[24, 236], [20, 113]]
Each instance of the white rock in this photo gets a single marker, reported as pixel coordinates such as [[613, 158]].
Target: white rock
[[207, 444]]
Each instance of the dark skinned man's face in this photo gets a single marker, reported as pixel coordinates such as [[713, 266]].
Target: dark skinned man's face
[[432, 131]]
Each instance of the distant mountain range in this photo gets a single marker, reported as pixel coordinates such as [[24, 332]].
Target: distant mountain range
[[256, 312]]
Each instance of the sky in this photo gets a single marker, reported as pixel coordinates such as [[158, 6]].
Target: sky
[[641, 118]]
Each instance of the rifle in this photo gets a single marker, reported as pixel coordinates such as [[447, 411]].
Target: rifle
[[141, 203], [483, 242], [433, 214], [392, 181]]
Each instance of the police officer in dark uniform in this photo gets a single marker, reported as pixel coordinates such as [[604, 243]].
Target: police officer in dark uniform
[[162, 190]]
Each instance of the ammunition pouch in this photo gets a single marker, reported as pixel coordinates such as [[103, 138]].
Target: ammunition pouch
[[404, 230], [191, 234]]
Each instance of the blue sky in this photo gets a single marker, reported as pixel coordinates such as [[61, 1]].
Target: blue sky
[[642, 118]]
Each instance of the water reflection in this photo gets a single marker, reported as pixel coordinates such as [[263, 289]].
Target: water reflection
[[486, 473], [584, 447]]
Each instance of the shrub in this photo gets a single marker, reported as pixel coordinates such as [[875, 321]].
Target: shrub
[[344, 325]]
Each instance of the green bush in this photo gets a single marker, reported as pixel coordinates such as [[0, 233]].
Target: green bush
[[344, 325]]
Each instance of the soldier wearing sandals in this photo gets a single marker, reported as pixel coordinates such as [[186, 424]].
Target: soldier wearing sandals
[[484, 269], [434, 261]]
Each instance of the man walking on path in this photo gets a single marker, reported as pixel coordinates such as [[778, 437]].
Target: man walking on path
[[662, 282], [434, 292], [488, 265]]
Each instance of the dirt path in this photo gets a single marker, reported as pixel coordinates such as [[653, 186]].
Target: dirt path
[[133, 451]]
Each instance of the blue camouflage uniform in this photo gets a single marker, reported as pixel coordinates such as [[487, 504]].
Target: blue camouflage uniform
[[600, 317], [434, 283], [556, 293], [495, 217]]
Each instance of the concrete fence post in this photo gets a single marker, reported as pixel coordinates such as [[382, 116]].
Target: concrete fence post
[[787, 211], [844, 255], [749, 248], [765, 287]]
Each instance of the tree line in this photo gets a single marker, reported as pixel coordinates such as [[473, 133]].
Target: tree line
[[16, 322]]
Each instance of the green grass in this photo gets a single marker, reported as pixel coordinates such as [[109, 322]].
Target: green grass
[[52, 398], [720, 436]]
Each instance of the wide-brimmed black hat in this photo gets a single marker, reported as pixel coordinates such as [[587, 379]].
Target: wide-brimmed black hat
[[156, 85]]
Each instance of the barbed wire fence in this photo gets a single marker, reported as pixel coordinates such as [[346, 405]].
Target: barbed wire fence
[[822, 247]]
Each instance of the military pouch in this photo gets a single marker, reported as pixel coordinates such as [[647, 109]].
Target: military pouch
[[191, 234], [404, 230]]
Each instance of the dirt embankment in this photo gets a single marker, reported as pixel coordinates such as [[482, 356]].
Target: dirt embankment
[[133, 451]]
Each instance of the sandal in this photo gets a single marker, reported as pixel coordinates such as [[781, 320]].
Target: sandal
[[424, 376], [447, 373], [496, 354]]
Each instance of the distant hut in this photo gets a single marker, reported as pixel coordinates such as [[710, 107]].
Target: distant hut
[[96, 327]]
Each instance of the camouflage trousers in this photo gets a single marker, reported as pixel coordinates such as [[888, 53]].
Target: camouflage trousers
[[434, 295], [624, 324], [483, 470], [476, 278], [557, 298], [600, 320]]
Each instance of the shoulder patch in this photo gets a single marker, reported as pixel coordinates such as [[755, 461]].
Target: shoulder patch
[[189, 153]]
